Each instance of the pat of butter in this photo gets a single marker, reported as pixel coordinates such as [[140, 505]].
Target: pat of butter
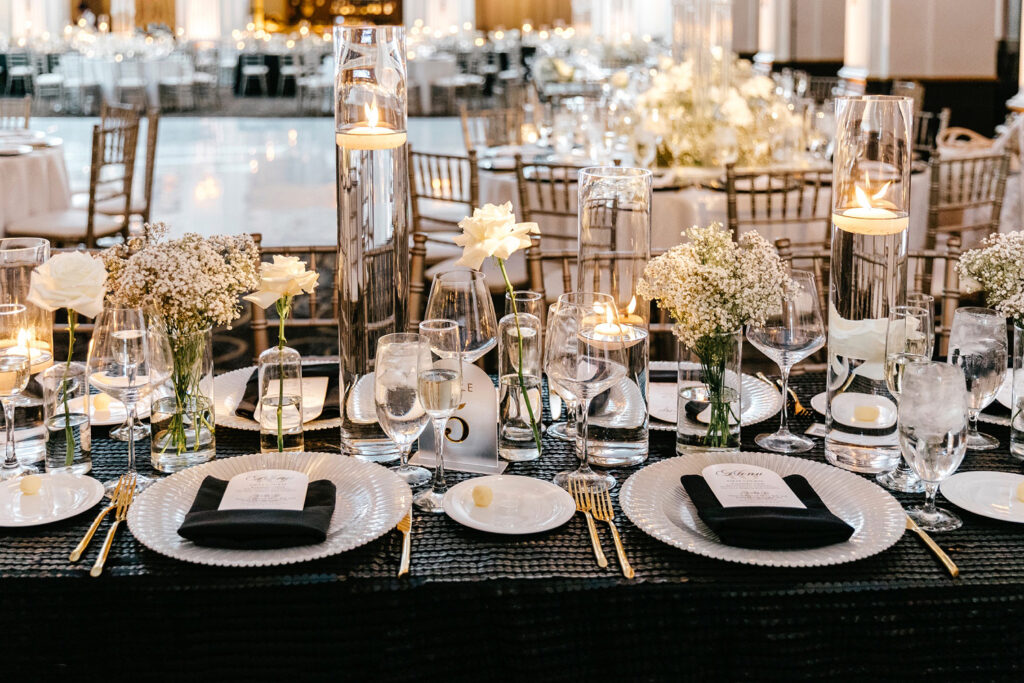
[[866, 413], [482, 496], [100, 402], [1020, 492], [30, 484]]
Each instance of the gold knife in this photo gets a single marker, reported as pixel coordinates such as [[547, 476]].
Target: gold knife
[[80, 548], [953, 570], [405, 526]]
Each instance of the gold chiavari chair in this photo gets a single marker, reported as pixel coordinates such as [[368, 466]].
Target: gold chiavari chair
[[443, 188], [491, 127], [928, 127], [312, 310], [966, 195], [932, 271], [141, 205], [112, 148], [15, 113], [793, 200]]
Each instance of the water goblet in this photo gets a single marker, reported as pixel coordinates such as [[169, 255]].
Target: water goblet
[[933, 433], [792, 331], [584, 361], [977, 343], [439, 383], [15, 368], [396, 394], [906, 341], [462, 296]]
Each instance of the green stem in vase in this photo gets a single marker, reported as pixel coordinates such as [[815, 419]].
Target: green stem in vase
[[69, 431], [283, 308], [519, 365], [713, 352], [187, 354]]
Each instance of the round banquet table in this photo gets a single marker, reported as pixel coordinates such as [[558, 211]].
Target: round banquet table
[[531, 608], [104, 69], [32, 184], [425, 71]]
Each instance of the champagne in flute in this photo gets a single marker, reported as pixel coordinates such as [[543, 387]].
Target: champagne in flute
[[440, 391], [895, 363], [14, 374]]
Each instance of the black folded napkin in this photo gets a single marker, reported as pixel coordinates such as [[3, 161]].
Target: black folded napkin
[[769, 528], [258, 529], [332, 402]]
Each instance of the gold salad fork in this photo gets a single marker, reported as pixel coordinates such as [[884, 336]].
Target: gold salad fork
[[602, 507], [124, 500], [80, 548], [577, 489]]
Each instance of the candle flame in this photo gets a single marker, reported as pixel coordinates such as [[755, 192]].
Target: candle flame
[[371, 115], [609, 316], [23, 340], [881, 192], [862, 197], [632, 306]]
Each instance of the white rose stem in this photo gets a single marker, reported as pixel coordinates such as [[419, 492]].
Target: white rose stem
[[283, 307], [519, 365], [69, 432]]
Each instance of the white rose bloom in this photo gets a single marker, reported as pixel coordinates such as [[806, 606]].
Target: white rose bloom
[[73, 280], [736, 111], [760, 87], [286, 276], [492, 231]]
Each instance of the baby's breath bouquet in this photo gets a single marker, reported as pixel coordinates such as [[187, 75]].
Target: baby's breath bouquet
[[712, 286], [193, 284], [997, 268]]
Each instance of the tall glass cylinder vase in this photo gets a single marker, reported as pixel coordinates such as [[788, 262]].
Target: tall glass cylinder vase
[[1017, 394], [18, 257], [519, 370], [373, 233], [182, 417], [870, 208], [614, 247]]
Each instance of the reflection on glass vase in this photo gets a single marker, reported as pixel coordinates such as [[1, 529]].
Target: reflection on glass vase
[[66, 413], [280, 380], [710, 394], [182, 419], [519, 400], [1017, 395]]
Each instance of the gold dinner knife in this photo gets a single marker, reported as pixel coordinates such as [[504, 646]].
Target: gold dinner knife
[[405, 526], [953, 570]]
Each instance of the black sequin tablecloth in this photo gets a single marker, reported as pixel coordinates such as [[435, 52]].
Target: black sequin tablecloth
[[478, 606]]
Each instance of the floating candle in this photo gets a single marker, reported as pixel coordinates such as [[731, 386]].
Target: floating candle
[[866, 219], [370, 136], [38, 352]]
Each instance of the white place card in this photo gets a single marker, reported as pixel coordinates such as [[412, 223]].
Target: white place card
[[266, 490], [736, 485]]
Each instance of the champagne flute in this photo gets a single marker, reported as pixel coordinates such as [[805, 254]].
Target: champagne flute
[[396, 394], [14, 375], [927, 302], [439, 380], [933, 433], [977, 343], [126, 361], [792, 331], [585, 359], [462, 296], [906, 341]]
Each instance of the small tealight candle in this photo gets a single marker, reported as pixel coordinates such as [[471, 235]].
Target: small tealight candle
[[866, 219], [370, 136]]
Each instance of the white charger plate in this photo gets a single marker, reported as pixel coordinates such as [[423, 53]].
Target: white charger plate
[[61, 495], [370, 501], [760, 401], [521, 505], [229, 388], [655, 501], [990, 494]]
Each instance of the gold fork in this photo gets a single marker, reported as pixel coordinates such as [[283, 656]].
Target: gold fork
[[124, 500], [576, 488], [405, 526], [798, 407], [80, 548], [602, 506]]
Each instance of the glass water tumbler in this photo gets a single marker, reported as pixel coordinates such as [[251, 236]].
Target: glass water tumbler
[[870, 208], [614, 248], [373, 232], [280, 382], [519, 392]]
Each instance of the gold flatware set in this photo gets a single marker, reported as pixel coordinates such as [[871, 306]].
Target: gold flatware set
[[120, 500], [798, 407], [595, 504]]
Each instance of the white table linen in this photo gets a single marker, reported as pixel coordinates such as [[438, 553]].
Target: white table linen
[[33, 184]]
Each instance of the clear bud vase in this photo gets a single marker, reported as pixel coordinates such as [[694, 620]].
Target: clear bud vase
[[710, 394], [1017, 394], [519, 369], [66, 414], [280, 413]]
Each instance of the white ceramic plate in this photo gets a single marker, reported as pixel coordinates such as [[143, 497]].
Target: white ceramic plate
[[60, 496], [820, 402], [14, 150], [760, 401], [655, 501], [108, 412], [228, 390], [990, 494], [371, 500], [521, 505]]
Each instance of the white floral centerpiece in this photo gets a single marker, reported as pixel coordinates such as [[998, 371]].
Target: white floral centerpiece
[[997, 268], [193, 283], [712, 286], [691, 125]]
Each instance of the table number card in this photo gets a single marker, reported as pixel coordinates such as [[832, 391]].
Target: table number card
[[266, 490], [736, 485]]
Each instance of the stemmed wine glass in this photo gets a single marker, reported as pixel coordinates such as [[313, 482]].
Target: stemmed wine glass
[[977, 343], [439, 380], [396, 394], [585, 358], [462, 296], [906, 341], [14, 376], [127, 359], [933, 433], [792, 331]]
